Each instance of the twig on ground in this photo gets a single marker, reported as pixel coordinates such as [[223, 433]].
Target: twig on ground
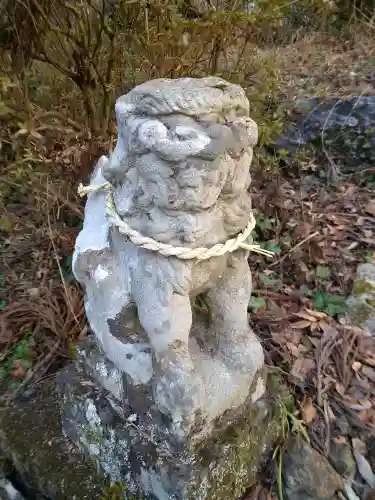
[[316, 233], [295, 297], [328, 342], [69, 302], [39, 368], [328, 428]]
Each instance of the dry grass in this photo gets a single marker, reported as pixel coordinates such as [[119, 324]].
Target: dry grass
[[321, 64], [57, 308]]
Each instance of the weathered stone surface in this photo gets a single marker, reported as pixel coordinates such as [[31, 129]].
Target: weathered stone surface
[[133, 443], [162, 381], [47, 463], [342, 459], [179, 174], [361, 303], [342, 128], [308, 475], [8, 491]]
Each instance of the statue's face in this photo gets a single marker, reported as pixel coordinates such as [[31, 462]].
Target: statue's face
[[172, 143], [175, 137]]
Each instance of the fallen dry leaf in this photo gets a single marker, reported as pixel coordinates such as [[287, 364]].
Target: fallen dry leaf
[[317, 314], [359, 450], [339, 439], [368, 372], [340, 389], [308, 411], [359, 446], [364, 416], [370, 361], [323, 325], [293, 349], [301, 367], [278, 337], [370, 207], [331, 415], [360, 406], [314, 327], [299, 325], [315, 342], [356, 366], [305, 315]]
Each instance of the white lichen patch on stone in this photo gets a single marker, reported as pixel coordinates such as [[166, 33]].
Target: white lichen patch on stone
[[91, 414], [8, 489], [103, 444], [100, 273], [260, 389], [111, 379], [151, 484]]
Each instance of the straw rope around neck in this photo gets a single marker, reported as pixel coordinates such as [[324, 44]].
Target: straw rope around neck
[[184, 253]]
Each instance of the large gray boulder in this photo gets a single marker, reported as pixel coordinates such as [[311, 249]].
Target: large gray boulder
[[336, 129], [307, 475]]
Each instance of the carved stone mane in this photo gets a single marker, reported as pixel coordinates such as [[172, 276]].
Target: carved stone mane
[[182, 158]]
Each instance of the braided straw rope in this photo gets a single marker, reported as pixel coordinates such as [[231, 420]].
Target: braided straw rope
[[169, 250]]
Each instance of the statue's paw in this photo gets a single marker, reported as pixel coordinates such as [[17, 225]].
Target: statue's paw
[[177, 393], [245, 356]]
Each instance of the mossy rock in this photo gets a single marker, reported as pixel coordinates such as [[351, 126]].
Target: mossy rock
[[234, 454], [361, 303], [341, 128], [45, 461]]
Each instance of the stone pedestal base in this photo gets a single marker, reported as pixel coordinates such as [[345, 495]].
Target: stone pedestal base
[[117, 424]]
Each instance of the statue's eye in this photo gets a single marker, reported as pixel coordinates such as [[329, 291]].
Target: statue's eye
[[172, 199], [185, 133]]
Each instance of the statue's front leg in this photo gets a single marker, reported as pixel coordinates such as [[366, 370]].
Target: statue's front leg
[[166, 317], [235, 341]]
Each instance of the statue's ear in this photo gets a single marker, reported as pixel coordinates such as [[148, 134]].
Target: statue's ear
[[221, 140], [245, 132]]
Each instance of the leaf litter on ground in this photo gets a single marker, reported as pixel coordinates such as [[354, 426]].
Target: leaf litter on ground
[[303, 326]]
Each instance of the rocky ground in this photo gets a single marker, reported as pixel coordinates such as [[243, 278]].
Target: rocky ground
[[313, 304]]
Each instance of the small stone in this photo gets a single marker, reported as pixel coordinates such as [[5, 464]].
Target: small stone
[[371, 451], [342, 425], [342, 459], [361, 303], [307, 474]]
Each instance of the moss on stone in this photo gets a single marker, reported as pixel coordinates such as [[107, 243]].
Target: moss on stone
[[362, 287], [94, 436], [234, 453], [31, 437], [360, 311]]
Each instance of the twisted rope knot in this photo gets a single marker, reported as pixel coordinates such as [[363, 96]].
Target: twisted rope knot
[[183, 253]]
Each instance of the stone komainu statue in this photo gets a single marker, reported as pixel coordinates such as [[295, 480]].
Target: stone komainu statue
[[180, 175]]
